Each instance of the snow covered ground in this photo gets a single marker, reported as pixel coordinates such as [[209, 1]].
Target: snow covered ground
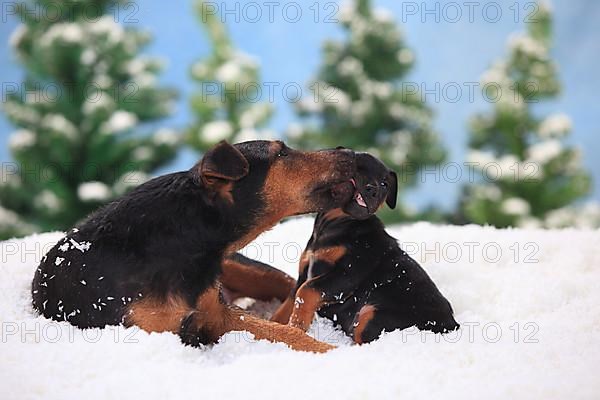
[[528, 302]]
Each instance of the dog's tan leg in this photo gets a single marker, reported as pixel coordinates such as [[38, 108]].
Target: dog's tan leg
[[308, 300], [201, 323], [158, 314], [248, 278], [210, 319], [282, 314], [277, 333], [234, 319]]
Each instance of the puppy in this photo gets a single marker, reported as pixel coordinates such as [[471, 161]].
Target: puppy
[[355, 274]]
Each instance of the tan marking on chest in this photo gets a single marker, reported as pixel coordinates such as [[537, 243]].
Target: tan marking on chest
[[330, 255]]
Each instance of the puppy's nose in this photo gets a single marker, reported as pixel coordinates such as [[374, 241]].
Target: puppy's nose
[[371, 190]]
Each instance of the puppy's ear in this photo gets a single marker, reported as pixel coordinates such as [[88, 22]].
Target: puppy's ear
[[392, 195], [223, 162]]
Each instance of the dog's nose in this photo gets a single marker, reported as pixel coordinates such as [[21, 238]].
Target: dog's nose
[[371, 190]]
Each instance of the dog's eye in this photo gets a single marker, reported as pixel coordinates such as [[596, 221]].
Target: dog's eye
[[282, 153], [383, 184]]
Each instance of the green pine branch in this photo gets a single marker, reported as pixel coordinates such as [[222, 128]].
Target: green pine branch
[[539, 174], [229, 82], [358, 100], [79, 141]]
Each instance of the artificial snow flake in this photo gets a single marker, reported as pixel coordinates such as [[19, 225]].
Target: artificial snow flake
[[21, 113], [215, 131], [311, 104], [405, 56], [47, 200], [88, 56], [65, 32], [350, 66], [165, 136], [337, 98], [294, 131], [254, 115], [142, 153], [231, 71], [103, 81], [556, 125], [298, 301], [17, 36], [528, 45], [106, 26], [101, 101], [545, 151], [82, 247], [136, 66], [119, 121], [93, 191], [584, 217], [496, 75], [60, 125], [144, 80], [21, 139], [246, 135], [129, 180]]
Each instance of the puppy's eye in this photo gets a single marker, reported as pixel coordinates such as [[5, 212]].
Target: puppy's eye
[[383, 184], [282, 153]]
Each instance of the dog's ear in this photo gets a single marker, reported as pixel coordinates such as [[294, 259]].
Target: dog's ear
[[223, 162], [392, 195]]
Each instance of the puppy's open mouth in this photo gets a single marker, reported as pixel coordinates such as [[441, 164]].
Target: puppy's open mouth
[[357, 196], [347, 193]]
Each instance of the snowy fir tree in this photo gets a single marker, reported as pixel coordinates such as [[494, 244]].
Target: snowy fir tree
[[358, 99], [227, 106], [528, 177], [85, 92]]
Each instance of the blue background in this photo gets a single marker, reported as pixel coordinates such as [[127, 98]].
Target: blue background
[[446, 52]]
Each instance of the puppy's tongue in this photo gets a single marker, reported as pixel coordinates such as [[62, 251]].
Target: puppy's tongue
[[359, 200], [357, 196]]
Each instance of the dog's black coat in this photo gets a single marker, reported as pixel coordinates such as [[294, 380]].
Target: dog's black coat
[[373, 272], [166, 239], [134, 243]]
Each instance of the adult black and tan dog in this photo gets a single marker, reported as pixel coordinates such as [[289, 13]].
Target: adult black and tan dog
[[355, 274], [153, 257]]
